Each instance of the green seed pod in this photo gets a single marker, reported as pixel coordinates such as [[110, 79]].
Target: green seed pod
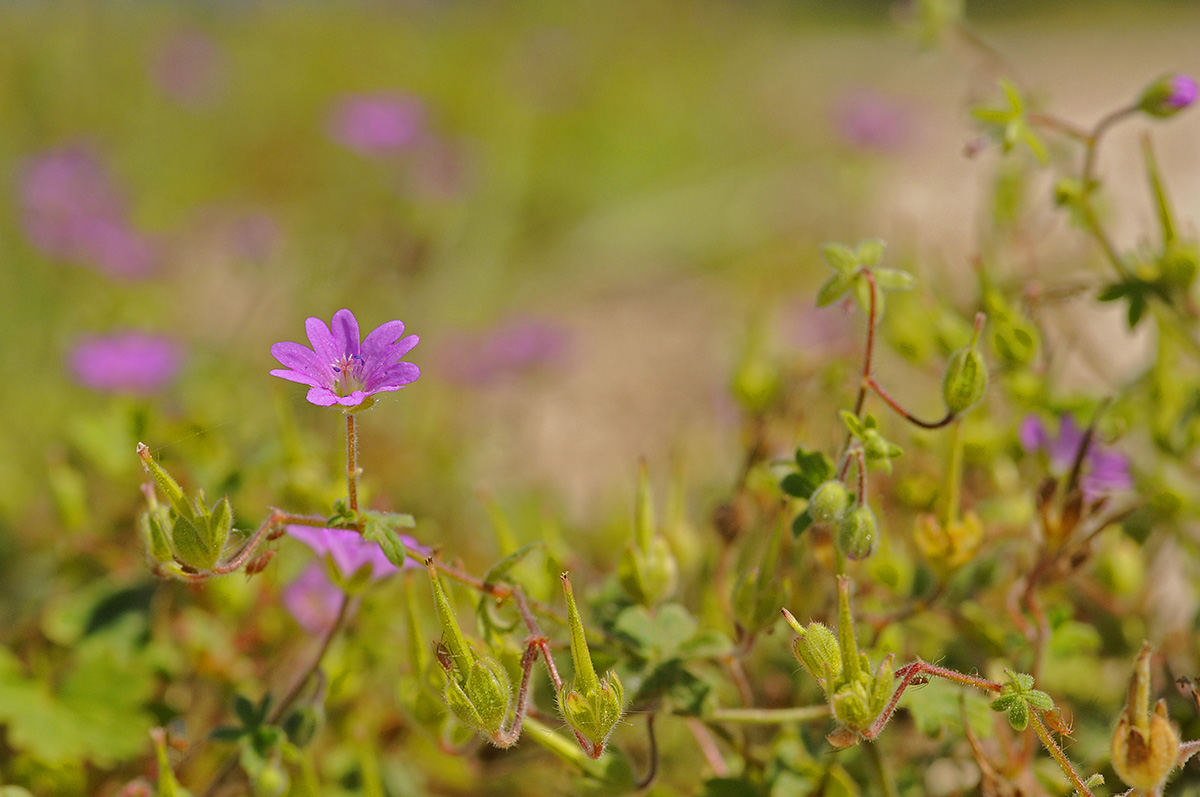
[[596, 712], [856, 533], [851, 709], [828, 502], [965, 380], [817, 649]]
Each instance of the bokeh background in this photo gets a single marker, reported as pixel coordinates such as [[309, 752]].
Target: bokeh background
[[592, 214]]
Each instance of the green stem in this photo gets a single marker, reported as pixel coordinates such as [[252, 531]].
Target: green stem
[[1058, 755], [949, 510], [767, 716], [886, 784], [561, 747], [352, 461]]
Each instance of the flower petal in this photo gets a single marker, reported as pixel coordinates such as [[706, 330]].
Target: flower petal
[[295, 376], [394, 377], [322, 341], [345, 332], [303, 360], [381, 339], [322, 397], [313, 536]]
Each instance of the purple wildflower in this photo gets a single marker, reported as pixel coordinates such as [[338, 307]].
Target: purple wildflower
[[130, 362], [189, 68], [871, 121], [514, 346], [342, 371], [350, 551], [313, 599], [377, 124], [1184, 91], [1105, 470], [72, 210]]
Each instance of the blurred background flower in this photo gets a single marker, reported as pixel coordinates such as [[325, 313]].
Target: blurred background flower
[[125, 362]]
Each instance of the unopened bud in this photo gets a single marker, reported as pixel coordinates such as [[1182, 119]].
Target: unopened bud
[[856, 532], [828, 502], [817, 649], [1168, 95]]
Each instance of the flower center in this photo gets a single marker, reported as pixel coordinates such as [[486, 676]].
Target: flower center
[[348, 374]]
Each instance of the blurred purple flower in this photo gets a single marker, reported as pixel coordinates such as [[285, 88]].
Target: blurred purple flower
[[516, 345], [129, 362], [313, 599], [350, 551], [72, 210], [872, 121], [342, 371], [1183, 91], [377, 124], [189, 68], [1104, 470]]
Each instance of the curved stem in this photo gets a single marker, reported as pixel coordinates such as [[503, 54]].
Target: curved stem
[[652, 771], [908, 416]]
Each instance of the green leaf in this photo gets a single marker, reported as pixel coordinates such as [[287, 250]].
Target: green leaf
[[813, 469], [246, 712], [894, 279], [840, 257], [226, 733], [801, 523], [1018, 716], [1039, 699], [384, 534], [1114, 291], [869, 252], [853, 423], [499, 570], [834, 288]]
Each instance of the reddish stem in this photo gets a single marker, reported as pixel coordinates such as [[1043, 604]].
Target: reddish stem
[[908, 416]]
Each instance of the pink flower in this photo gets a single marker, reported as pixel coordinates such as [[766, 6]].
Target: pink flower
[[313, 599], [130, 362], [189, 68], [339, 370], [514, 346], [1105, 470], [872, 121], [377, 124], [349, 551], [72, 210]]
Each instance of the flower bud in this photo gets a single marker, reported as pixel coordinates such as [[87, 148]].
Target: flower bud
[[828, 502], [1145, 745], [856, 532], [1168, 95], [965, 380]]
